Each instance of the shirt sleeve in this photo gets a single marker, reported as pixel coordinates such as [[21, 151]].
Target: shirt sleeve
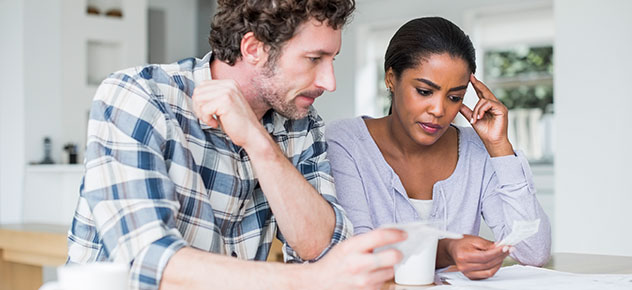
[[126, 184], [349, 185], [510, 196], [314, 166]]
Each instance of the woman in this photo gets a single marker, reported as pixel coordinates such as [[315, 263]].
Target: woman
[[414, 164]]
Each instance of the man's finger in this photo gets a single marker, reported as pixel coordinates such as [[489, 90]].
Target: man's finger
[[377, 238], [381, 276], [387, 258]]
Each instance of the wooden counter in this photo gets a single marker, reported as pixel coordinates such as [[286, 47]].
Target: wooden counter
[[25, 249]]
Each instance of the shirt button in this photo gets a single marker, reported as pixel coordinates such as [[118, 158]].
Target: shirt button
[[233, 254]]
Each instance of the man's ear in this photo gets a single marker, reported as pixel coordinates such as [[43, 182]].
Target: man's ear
[[252, 50]]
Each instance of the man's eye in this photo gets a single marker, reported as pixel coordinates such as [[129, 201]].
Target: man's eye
[[314, 59], [424, 92]]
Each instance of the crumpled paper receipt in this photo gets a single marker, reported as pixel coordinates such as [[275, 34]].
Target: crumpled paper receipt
[[520, 230], [420, 233]]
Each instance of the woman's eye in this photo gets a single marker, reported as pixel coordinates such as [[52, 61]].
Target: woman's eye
[[424, 92], [456, 99]]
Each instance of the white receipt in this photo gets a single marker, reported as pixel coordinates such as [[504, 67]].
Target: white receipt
[[520, 230]]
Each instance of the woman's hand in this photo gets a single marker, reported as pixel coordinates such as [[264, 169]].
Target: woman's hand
[[475, 257], [489, 120]]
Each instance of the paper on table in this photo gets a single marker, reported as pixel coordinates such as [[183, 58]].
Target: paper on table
[[526, 278], [520, 230], [417, 231]]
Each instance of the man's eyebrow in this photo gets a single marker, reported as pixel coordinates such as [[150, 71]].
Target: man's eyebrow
[[322, 52], [438, 87]]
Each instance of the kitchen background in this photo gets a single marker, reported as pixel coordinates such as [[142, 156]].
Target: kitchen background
[[560, 65]]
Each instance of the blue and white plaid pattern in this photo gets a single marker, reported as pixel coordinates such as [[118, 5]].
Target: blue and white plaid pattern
[[157, 179]]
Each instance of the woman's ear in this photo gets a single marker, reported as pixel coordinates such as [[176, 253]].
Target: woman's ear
[[252, 50], [389, 79]]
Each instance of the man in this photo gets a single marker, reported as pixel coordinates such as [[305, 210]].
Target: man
[[176, 197]]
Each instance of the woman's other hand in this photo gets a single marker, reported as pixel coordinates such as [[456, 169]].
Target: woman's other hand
[[489, 120], [475, 257]]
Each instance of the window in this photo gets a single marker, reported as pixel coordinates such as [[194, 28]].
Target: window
[[522, 78], [514, 50]]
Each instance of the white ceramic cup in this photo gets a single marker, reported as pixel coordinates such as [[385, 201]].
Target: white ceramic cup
[[419, 267], [92, 276]]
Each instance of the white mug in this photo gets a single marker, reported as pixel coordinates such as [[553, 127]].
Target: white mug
[[419, 250], [419, 267], [92, 276]]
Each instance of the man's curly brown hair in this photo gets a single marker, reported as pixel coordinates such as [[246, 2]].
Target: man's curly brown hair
[[273, 22]]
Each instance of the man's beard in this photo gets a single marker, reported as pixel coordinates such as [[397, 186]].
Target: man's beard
[[273, 96]]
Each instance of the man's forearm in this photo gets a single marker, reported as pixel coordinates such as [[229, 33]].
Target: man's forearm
[[193, 269], [305, 218]]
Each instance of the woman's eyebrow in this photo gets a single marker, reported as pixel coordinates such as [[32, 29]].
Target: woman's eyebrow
[[438, 87], [459, 88], [430, 83]]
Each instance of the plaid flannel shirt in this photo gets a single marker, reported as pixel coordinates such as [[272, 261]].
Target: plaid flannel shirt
[[157, 179]]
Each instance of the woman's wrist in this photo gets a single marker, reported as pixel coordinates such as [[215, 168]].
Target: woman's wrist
[[499, 148], [444, 255]]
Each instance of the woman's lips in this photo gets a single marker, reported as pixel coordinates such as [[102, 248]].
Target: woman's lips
[[430, 128]]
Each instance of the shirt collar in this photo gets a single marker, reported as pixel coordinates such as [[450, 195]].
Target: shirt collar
[[274, 123]]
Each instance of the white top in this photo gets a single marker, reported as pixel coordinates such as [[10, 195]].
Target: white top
[[423, 207]]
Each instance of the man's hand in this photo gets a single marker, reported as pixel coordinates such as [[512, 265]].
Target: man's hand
[[475, 257], [221, 103], [353, 265]]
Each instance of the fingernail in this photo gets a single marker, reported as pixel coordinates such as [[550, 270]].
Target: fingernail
[[505, 249], [472, 121]]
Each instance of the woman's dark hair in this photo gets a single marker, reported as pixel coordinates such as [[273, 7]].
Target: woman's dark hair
[[273, 22], [422, 37]]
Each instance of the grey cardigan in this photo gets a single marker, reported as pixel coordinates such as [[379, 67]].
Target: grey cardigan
[[499, 190]]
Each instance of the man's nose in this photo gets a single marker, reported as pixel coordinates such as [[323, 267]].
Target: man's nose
[[326, 79]]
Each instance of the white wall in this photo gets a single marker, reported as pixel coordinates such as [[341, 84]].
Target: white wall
[[592, 106], [181, 26], [42, 78], [205, 13], [11, 110]]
